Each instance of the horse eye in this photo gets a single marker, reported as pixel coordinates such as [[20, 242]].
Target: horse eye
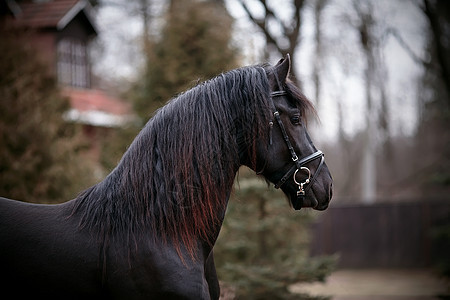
[[295, 120]]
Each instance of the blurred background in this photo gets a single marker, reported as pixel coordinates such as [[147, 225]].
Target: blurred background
[[78, 79]]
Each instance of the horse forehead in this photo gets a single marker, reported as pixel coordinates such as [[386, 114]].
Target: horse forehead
[[283, 105]]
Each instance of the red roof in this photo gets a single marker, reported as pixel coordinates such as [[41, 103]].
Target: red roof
[[51, 14], [96, 100]]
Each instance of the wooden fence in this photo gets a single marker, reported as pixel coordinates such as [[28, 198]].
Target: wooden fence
[[384, 235]]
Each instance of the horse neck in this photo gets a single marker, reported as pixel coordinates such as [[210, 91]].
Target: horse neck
[[181, 195], [149, 188]]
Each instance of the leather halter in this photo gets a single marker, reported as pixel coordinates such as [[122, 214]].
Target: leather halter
[[299, 164]]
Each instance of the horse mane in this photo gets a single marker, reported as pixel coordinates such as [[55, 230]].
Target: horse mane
[[178, 172], [300, 100]]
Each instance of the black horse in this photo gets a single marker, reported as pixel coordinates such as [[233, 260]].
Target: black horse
[[148, 229]]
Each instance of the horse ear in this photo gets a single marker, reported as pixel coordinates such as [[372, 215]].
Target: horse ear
[[282, 68]]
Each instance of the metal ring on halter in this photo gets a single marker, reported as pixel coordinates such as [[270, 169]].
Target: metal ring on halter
[[307, 179], [301, 191]]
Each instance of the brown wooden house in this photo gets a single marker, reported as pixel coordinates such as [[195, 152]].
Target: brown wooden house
[[61, 32]]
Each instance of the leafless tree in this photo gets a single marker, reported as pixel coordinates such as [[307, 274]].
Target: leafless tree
[[440, 37], [318, 57]]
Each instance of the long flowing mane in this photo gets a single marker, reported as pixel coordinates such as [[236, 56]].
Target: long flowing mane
[[179, 170]]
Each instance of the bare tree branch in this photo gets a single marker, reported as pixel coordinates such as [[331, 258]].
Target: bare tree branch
[[262, 24], [416, 58], [289, 31]]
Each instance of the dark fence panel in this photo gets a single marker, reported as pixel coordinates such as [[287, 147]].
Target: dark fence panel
[[382, 235]]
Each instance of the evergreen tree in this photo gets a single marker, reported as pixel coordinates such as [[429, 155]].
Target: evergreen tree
[[194, 45], [38, 153], [263, 245]]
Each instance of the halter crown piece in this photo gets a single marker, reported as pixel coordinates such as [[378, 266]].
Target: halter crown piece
[[299, 165]]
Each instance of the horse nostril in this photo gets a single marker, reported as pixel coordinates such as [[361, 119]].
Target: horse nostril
[[330, 192]]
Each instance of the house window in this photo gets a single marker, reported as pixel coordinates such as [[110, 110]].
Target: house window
[[73, 67]]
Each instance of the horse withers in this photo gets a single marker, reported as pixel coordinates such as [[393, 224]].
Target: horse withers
[[148, 229]]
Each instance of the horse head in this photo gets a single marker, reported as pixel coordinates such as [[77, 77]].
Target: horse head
[[289, 158]]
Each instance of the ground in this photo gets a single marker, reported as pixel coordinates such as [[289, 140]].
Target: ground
[[378, 285]]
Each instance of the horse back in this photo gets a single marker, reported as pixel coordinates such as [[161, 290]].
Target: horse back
[[42, 252]]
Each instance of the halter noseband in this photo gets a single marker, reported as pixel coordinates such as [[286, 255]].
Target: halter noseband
[[299, 165]]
